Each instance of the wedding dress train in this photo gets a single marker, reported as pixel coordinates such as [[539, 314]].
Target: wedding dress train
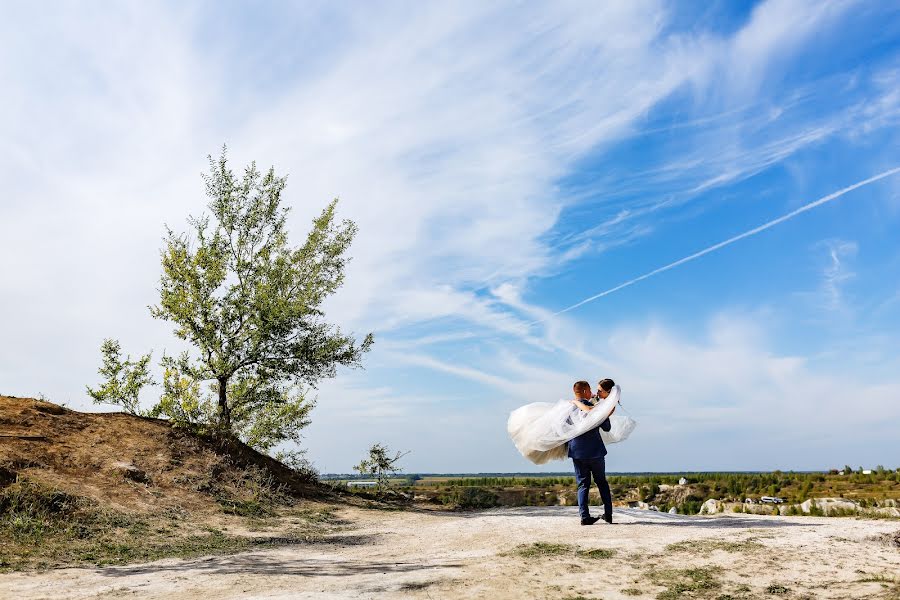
[[540, 430]]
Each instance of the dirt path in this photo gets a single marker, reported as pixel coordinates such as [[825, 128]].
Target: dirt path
[[480, 555]]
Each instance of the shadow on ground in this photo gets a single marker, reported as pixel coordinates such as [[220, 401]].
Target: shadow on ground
[[264, 563], [634, 516]]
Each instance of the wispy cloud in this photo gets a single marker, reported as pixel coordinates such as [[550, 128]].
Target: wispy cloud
[[833, 273], [837, 272], [485, 151]]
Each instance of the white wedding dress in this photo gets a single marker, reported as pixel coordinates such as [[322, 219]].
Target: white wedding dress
[[540, 430]]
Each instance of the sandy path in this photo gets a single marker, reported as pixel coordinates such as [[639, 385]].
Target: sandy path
[[448, 555]]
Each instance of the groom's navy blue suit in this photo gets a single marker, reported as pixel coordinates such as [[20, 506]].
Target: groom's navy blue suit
[[588, 452]]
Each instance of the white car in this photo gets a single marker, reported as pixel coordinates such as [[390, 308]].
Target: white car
[[772, 500]]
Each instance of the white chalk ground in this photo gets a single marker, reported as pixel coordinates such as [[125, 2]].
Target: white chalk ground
[[472, 555]]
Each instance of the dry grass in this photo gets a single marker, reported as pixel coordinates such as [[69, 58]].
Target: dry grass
[[43, 528]]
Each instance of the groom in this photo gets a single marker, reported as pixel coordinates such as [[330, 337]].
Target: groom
[[588, 453]]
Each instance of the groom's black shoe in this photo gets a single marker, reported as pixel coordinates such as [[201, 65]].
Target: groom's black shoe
[[608, 519], [590, 520]]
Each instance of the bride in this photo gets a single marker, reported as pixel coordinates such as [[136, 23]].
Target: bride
[[540, 430]]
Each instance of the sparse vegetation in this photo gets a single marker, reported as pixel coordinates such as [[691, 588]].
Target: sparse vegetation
[[777, 589], [709, 545], [877, 490], [544, 549], [123, 379], [468, 498], [541, 549], [45, 528], [380, 464], [598, 553], [694, 583]]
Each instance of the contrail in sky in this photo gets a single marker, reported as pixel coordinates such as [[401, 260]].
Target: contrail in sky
[[729, 241]]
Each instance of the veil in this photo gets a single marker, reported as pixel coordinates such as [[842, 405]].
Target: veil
[[540, 430]]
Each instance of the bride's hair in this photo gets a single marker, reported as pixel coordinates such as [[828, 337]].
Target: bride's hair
[[580, 386], [606, 384]]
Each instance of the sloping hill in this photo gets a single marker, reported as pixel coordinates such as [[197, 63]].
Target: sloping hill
[[88, 488], [132, 463]]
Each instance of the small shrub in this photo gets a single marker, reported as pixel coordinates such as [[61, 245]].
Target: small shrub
[[471, 497], [597, 553], [681, 582], [541, 549]]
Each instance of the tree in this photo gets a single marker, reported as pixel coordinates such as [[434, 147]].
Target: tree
[[380, 464], [250, 305], [124, 379]]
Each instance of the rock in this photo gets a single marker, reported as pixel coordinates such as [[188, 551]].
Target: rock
[[131, 472], [711, 507], [673, 511], [828, 504]]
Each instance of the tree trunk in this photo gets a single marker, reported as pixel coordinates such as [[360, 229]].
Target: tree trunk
[[224, 411]]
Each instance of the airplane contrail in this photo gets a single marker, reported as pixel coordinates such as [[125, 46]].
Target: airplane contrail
[[729, 241]]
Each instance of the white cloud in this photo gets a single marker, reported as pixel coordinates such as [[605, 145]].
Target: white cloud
[[443, 133], [445, 129], [837, 272], [777, 30], [718, 398]]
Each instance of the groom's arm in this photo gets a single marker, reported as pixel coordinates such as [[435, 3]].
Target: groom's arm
[[582, 405], [606, 425]]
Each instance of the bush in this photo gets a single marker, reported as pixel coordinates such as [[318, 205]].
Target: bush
[[471, 497]]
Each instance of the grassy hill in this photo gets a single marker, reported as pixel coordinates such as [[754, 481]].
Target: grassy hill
[[110, 488]]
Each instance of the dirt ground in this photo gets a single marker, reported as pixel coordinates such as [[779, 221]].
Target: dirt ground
[[492, 554]]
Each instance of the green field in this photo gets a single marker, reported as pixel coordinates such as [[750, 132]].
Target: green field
[[878, 489]]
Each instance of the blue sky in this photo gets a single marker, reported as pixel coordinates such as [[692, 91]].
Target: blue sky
[[503, 161]]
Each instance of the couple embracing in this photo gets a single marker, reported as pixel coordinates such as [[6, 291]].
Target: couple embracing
[[579, 429], [588, 452]]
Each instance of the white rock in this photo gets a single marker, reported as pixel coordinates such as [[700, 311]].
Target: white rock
[[827, 504]]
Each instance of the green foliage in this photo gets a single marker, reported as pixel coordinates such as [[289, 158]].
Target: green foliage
[[250, 305], [124, 379], [181, 401], [471, 497], [380, 464], [298, 461], [538, 490]]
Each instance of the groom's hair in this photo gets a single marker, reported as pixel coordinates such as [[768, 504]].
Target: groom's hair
[[580, 386], [606, 384]]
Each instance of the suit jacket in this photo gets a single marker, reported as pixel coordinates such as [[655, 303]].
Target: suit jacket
[[589, 444]]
